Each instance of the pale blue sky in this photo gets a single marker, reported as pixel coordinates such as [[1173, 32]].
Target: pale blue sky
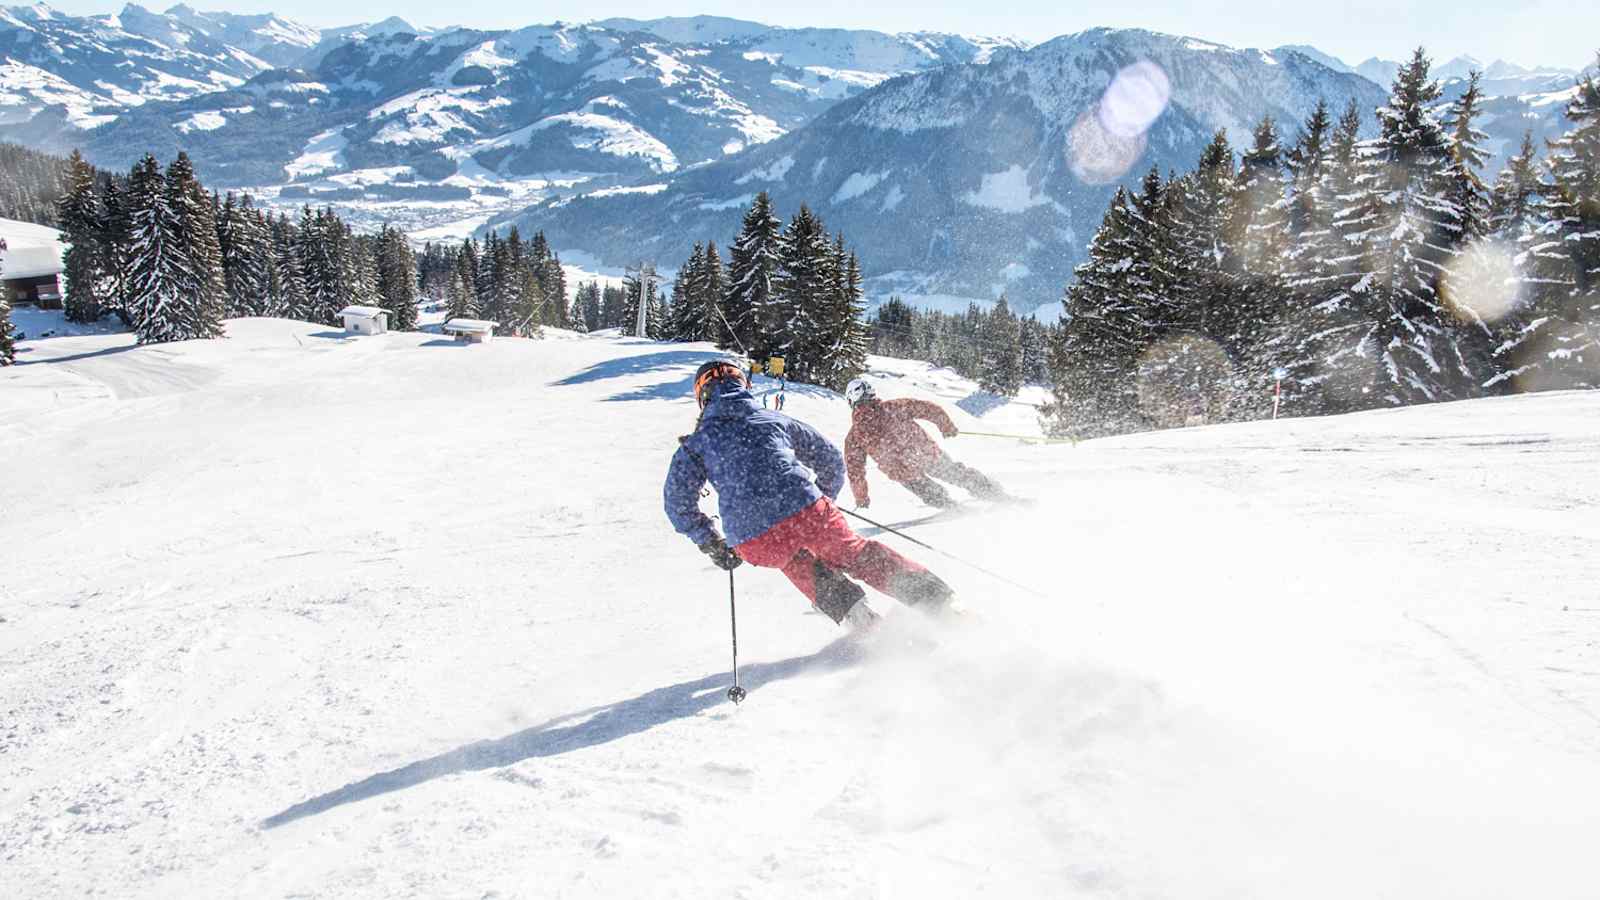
[[1530, 32]]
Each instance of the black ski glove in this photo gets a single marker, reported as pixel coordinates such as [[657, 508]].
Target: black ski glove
[[721, 554]]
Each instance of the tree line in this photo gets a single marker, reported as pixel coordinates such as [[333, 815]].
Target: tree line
[[787, 290], [519, 285], [1347, 273], [30, 184], [173, 261], [997, 348]]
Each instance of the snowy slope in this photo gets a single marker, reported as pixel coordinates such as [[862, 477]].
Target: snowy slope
[[294, 615]]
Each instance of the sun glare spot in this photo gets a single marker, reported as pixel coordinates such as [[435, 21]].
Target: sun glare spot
[[1109, 139], [1097, 155], [1481, 282], [1135, 99]]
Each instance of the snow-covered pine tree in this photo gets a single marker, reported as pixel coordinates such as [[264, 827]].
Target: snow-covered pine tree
[[711, 287], [1518, 220], [553, 286], [246, 257], [151, 253], [286, 280], [1327, 351], [80, 219], [891, 329], [1476, 277], [1467, 156], [397, 279], [203, 303], [682, 320], [1305, 163], [840, 339], [1195, 278], [502, 280], [1560, 347], [528, 313], [435, 266], [1310, 249], [752, 269], [613, 305], [656, 325], [225, 210], [82, 223], [1516, 204], [1001, 339], [463, 300], [160, 298], [1034, 340], [626, 310], [1178, 366], [587, 308], [1407, 228], [115, 240], [489, 281], [1092, 360], [579, 321], [1250, 323], [316, 252], [802, 285], [362, 273]]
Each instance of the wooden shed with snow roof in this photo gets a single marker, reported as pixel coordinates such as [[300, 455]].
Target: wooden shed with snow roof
[[470, 331], [365, 319], [31, 264]]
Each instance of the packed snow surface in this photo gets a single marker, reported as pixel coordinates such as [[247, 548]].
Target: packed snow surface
[[297, 614]]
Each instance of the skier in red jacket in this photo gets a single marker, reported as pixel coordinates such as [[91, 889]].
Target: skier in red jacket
[[887, 430]]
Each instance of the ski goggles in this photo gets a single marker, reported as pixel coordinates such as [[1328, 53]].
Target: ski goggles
[[721, 370]]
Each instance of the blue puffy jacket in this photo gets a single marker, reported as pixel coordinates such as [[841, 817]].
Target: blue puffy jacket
[[764, 465]]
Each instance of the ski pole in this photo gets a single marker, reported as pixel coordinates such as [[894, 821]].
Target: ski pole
[[971, 565], [1026, 439], [735, 693]]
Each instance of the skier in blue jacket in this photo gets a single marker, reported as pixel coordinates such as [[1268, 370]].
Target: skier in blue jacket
[[776, 480]]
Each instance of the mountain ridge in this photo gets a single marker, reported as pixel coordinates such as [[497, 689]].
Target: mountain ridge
[[445, 131]]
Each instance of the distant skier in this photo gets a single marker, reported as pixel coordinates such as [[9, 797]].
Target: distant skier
[[776, 479], [887, 430]]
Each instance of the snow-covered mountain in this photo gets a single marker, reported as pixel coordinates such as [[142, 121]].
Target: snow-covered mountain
[[60, 74], [269, 37], [421, 127], [969, 180], [442, 131]]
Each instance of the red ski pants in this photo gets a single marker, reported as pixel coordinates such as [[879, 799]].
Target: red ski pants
[[820, 532]]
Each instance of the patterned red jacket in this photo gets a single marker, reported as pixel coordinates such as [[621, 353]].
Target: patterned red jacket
[[887, 430]]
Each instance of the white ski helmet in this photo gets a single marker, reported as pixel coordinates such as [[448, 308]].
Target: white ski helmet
[[859, 390]]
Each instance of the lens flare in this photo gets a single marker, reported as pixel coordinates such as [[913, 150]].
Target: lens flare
[[1481, 283], [1097, 155], [1106, 141], [1135, 99], [1184, 380]]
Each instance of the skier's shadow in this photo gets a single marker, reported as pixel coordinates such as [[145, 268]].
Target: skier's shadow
[[574, 731]]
